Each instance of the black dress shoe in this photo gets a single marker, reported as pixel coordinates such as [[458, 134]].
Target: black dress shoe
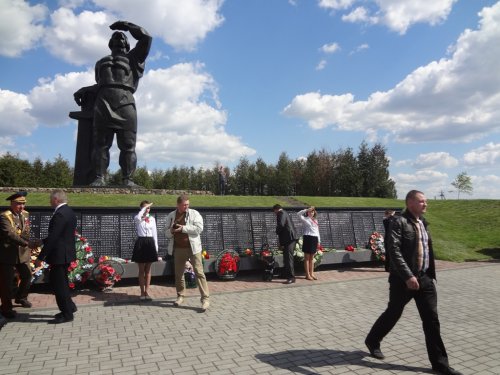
[[23, 302], [446, 371], [375, 352], [9, 314], [60, 318], [290, 281]]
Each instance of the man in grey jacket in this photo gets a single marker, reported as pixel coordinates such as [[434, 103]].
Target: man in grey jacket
[[184, 226]]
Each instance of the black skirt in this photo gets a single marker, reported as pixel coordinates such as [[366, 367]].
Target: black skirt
[[309, 244], [144, 250]]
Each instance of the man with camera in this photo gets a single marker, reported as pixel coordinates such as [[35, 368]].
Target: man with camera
[[183, 232]]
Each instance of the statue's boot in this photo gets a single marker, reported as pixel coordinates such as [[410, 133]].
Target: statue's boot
[[98, 182]]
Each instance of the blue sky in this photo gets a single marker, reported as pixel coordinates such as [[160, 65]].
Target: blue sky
[[253, 78]]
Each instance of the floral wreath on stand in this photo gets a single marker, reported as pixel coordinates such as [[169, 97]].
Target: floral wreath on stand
[[227, 264], [108, 271], [376, 244]]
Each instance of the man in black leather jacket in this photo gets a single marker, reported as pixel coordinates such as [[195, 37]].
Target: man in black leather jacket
[[412, 275]]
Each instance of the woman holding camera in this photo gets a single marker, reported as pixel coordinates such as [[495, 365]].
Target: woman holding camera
[[310, 239], [146, 247]]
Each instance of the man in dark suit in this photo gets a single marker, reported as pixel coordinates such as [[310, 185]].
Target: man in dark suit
[[15, 252], [412, 275], [59, 251], [287, 235]]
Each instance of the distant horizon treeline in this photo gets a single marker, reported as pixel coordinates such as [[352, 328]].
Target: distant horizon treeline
[[321, 173]]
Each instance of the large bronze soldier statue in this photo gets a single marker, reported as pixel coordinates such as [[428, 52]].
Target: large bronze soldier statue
[[117, 76]]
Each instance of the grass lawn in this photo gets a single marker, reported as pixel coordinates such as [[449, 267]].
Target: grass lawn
[[462, 230]]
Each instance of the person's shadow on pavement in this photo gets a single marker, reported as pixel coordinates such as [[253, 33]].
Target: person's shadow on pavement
[[301, 361]]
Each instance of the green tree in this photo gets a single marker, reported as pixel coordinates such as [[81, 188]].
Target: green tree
[[57, 174], [141, 177], [346, 174], [283, 178], [463, 184]]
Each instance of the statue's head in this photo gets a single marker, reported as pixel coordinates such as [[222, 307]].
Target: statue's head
[[119, 41]]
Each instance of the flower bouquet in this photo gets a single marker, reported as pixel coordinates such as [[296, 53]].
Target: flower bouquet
[[376, 244], [107, 273], [227, 264], [79, 270], [349, 248], [37, 272]]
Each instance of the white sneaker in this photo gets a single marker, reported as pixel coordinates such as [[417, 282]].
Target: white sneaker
[[179, 301], [205, 304]]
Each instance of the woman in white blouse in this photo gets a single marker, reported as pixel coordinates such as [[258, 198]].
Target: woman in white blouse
[[146, 247], [310, 239]]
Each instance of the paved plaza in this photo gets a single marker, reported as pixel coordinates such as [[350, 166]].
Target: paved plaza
[[254, 327]]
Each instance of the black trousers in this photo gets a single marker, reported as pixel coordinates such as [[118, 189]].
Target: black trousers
[[58, 278], [288, 260], [426, 301]]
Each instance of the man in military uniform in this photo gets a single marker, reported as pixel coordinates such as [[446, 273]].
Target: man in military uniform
[[15, 253]]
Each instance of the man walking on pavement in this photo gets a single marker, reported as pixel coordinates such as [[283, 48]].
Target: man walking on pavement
[[412, 275]]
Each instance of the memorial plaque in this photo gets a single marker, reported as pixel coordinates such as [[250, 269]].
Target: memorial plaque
[[128, 235], [264, 230], [237, 231], [341, 229], [211, 237], [161, 229], [103, 233], [378, 219], [113, 233], [324, 230], [363, 226]]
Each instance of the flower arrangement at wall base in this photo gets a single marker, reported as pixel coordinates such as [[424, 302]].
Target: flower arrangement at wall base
[[349, 248], [227, 264], [246, 252], [108, 272], [298, 254], [376, 244], [37, 272], [80, 269]]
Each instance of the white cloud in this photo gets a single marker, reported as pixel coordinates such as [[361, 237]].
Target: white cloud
[[335, 4], [321, 65], [180, 118], [488, 154], [456, 98], [20, 26], [400, 15], [80, 39], [52, 99], [435, 160], [429, 181], [397, 15], [181, 24], [360, 14], [330, 48], [15, 119], [359, 48], [487, 186]]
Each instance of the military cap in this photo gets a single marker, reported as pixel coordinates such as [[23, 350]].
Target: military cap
[[20, 197]]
